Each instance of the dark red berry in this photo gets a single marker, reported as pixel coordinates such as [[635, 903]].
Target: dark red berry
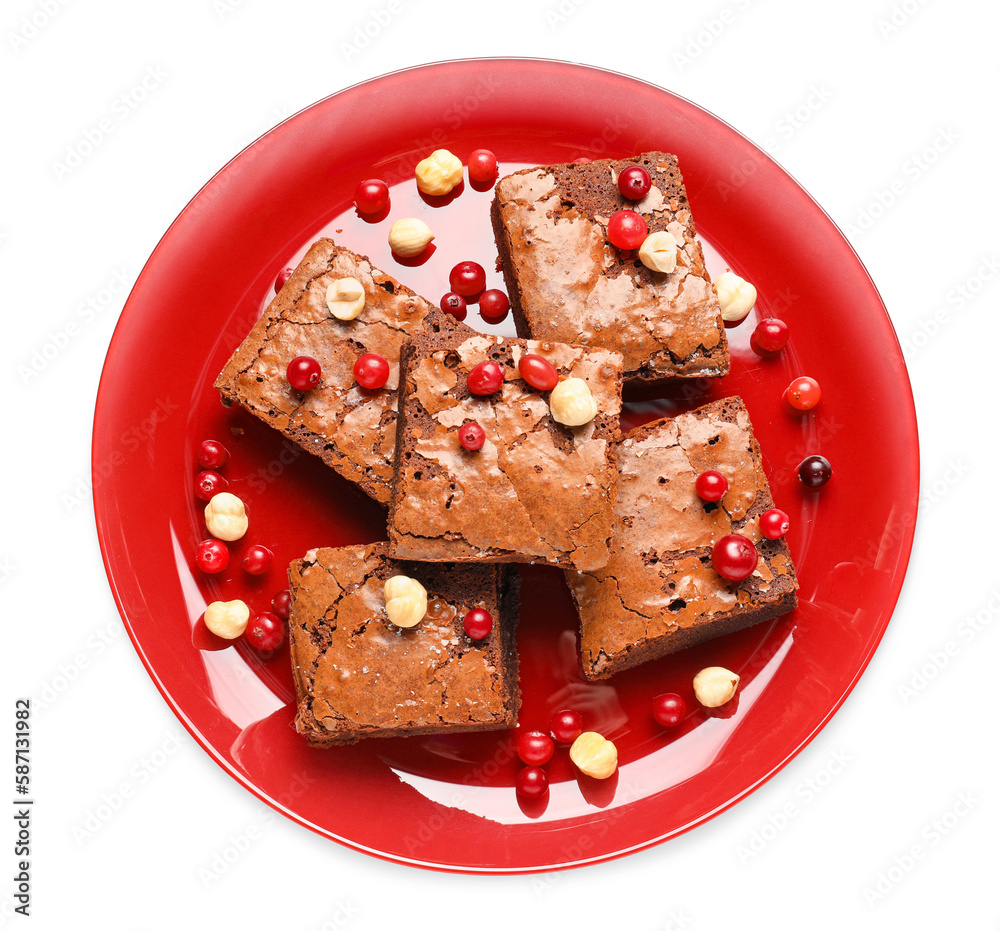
[[669, 709], [711, 485], [734, 557], [212, 556], [303, 373], [478, 624], [281, 604], [538, 372], [773, 524], [485, 378], [258, 559], [482, 166], [468, 279], [815, 471], [212, 455], [208, 483], [634, 182], [626, 229], [566, 726], [371, 196], [531, 782], [769, 336], [493, 305], [455, 305], [471, 436], [282, 278], [265, 632], [803, 394], [535, 748], [371, 371]]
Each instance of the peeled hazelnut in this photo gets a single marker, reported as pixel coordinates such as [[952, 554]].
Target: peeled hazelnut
[[715, 685], [409, 237], [571, 403], [736, 296], [439, 173], [345, 298], [405, 601], [225, 517], [658, 252], [227, 619], [593, 755]]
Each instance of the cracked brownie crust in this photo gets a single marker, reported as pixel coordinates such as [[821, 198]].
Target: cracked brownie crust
[[536, 491], [357, 675], [658, 592], [349, 428], [567, 282]]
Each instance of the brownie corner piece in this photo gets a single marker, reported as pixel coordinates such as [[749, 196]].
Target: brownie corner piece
[[536, 490]]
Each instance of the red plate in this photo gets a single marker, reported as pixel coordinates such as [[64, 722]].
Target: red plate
[[448, 802]]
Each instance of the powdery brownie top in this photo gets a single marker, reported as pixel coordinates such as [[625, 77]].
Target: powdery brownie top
[[536, 490], [358, 675], [659, 592], [567, 282], [350, 428]]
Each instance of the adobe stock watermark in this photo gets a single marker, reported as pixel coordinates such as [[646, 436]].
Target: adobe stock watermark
[[96, 134], [344, 913], [707, 35], [558, 13], [31, 26], [68, 672], [226, 8], [371, 29], [913, 168], [898, 17], [931, 836], [7, 570], [806, 792], [794, 118], [936, 661]]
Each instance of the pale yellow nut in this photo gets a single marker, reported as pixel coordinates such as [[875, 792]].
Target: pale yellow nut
[[571, 403], [440, 173], [715, 685], [658, 252], [405, 601], [225, 517], [345, 298], [409, 237], [594, 755], [227, 619], [736, 296]]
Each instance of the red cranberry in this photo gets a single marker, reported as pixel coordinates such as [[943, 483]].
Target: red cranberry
[[734, 557], [471, 436], [770, 335], [535, 748], [803, 394], [212, 556], [538, 372], [493, 305], [773, 524], [478, 624], [282, 278], [634, 182], [258, 559], [485, 378], [303, 373], [455, 305], [711, 485], [566, 726], [468, 279], [626, 229], [669, 709], [815, 471], [371, 196], [531, 782], [212, 455], [281, 604], [371, 371], [265, 631], [482, 166], [207, 484]]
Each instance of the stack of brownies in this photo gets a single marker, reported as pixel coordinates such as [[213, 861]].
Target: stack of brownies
[[620, 515]]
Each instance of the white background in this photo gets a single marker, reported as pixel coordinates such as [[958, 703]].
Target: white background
[[856, 97]]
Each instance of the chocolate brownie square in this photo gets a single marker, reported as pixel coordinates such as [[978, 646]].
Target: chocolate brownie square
[[357, 675], [537, 491], [658, 592], [349, 428], [567, 282]]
